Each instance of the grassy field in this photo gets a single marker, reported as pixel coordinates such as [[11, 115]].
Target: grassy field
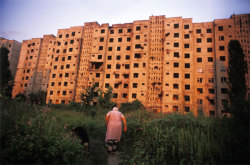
[[41, 135]]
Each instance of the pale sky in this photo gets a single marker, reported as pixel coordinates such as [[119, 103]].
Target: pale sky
[[26, 19]]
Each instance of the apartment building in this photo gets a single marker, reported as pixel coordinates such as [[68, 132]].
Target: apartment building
[[14, 47], [169, 64]]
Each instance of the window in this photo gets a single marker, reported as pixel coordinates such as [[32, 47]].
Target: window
[[128, 48], [187, 86], [137, 46], [50, 92], [118, 66], [116, 85], [199, 59], [138, 28], [186, 45], [100, 47], [137, 55], [223, 90], [220, 28], [175, 86], [106, 85], [111, 31], [71, 41], [211, 90], [125, 85], [67, 35], [69, 57], [223, 79], [222, 58], [210, 80], [97, 75], [60, 36], [109, 57], [136, 75], [128, 39], [221, 38], [186, 36], [127, 57], [198, 50], [133, 95], [186, 98], [198, 31], [198, 40], [111, 40], [176, 35], [53, 75], [187, 109], [209, 40], [118, 57], [65, 84], [176, 25], [134, 85], [110, 48], [199, 80], [187, 55], [175, 108], [101, 39], [52, 84], [70, 49], [199, 90], [176, 54], [175, 97], [176, 44], [115, 95], [209, 30], [176, 64], [66, 75], [187, 76], [107, 75], [124, 95], [119, 39], [187, 65], [176, 75], [221, 48], [126, 75], [210, 59], [99, 57], [129, 30], [64, 93], [73, 33], [136, 65], [102, 30], [137, 37], [120, 31], [209, 49], [186, 26]]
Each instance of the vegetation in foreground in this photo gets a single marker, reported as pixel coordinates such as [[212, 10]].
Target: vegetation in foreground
[[41, 135]]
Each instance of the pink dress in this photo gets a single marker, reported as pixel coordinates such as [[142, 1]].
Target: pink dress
[[114, 129]]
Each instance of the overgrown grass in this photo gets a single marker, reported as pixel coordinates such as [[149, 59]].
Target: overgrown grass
[[41, 135]]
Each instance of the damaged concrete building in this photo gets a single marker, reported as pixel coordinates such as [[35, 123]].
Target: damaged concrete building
[[169, 64]]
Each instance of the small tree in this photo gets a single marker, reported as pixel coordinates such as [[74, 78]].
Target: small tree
[[6, 83], [88, 94], [237, 69], [104, 98]]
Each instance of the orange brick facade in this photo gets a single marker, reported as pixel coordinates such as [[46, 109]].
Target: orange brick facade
[[169, 64]]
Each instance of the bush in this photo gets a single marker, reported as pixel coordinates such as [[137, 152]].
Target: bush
[[128, 107]]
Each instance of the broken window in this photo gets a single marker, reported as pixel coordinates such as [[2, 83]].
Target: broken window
[[220, 28], [176, 54], [222, 58], [136, 75], [176, 64], [210, 59], [198, 40], [176, 75], [102, 30], [186, 26], [135, 85], [186, 36], [176, 35], [198, 31], [209, 30], [137, 55], [199, 90]]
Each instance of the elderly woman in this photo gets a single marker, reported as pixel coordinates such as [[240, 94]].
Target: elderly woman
[[114, 125]]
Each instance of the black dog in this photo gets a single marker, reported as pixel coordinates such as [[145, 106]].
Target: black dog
[[82, 134]]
